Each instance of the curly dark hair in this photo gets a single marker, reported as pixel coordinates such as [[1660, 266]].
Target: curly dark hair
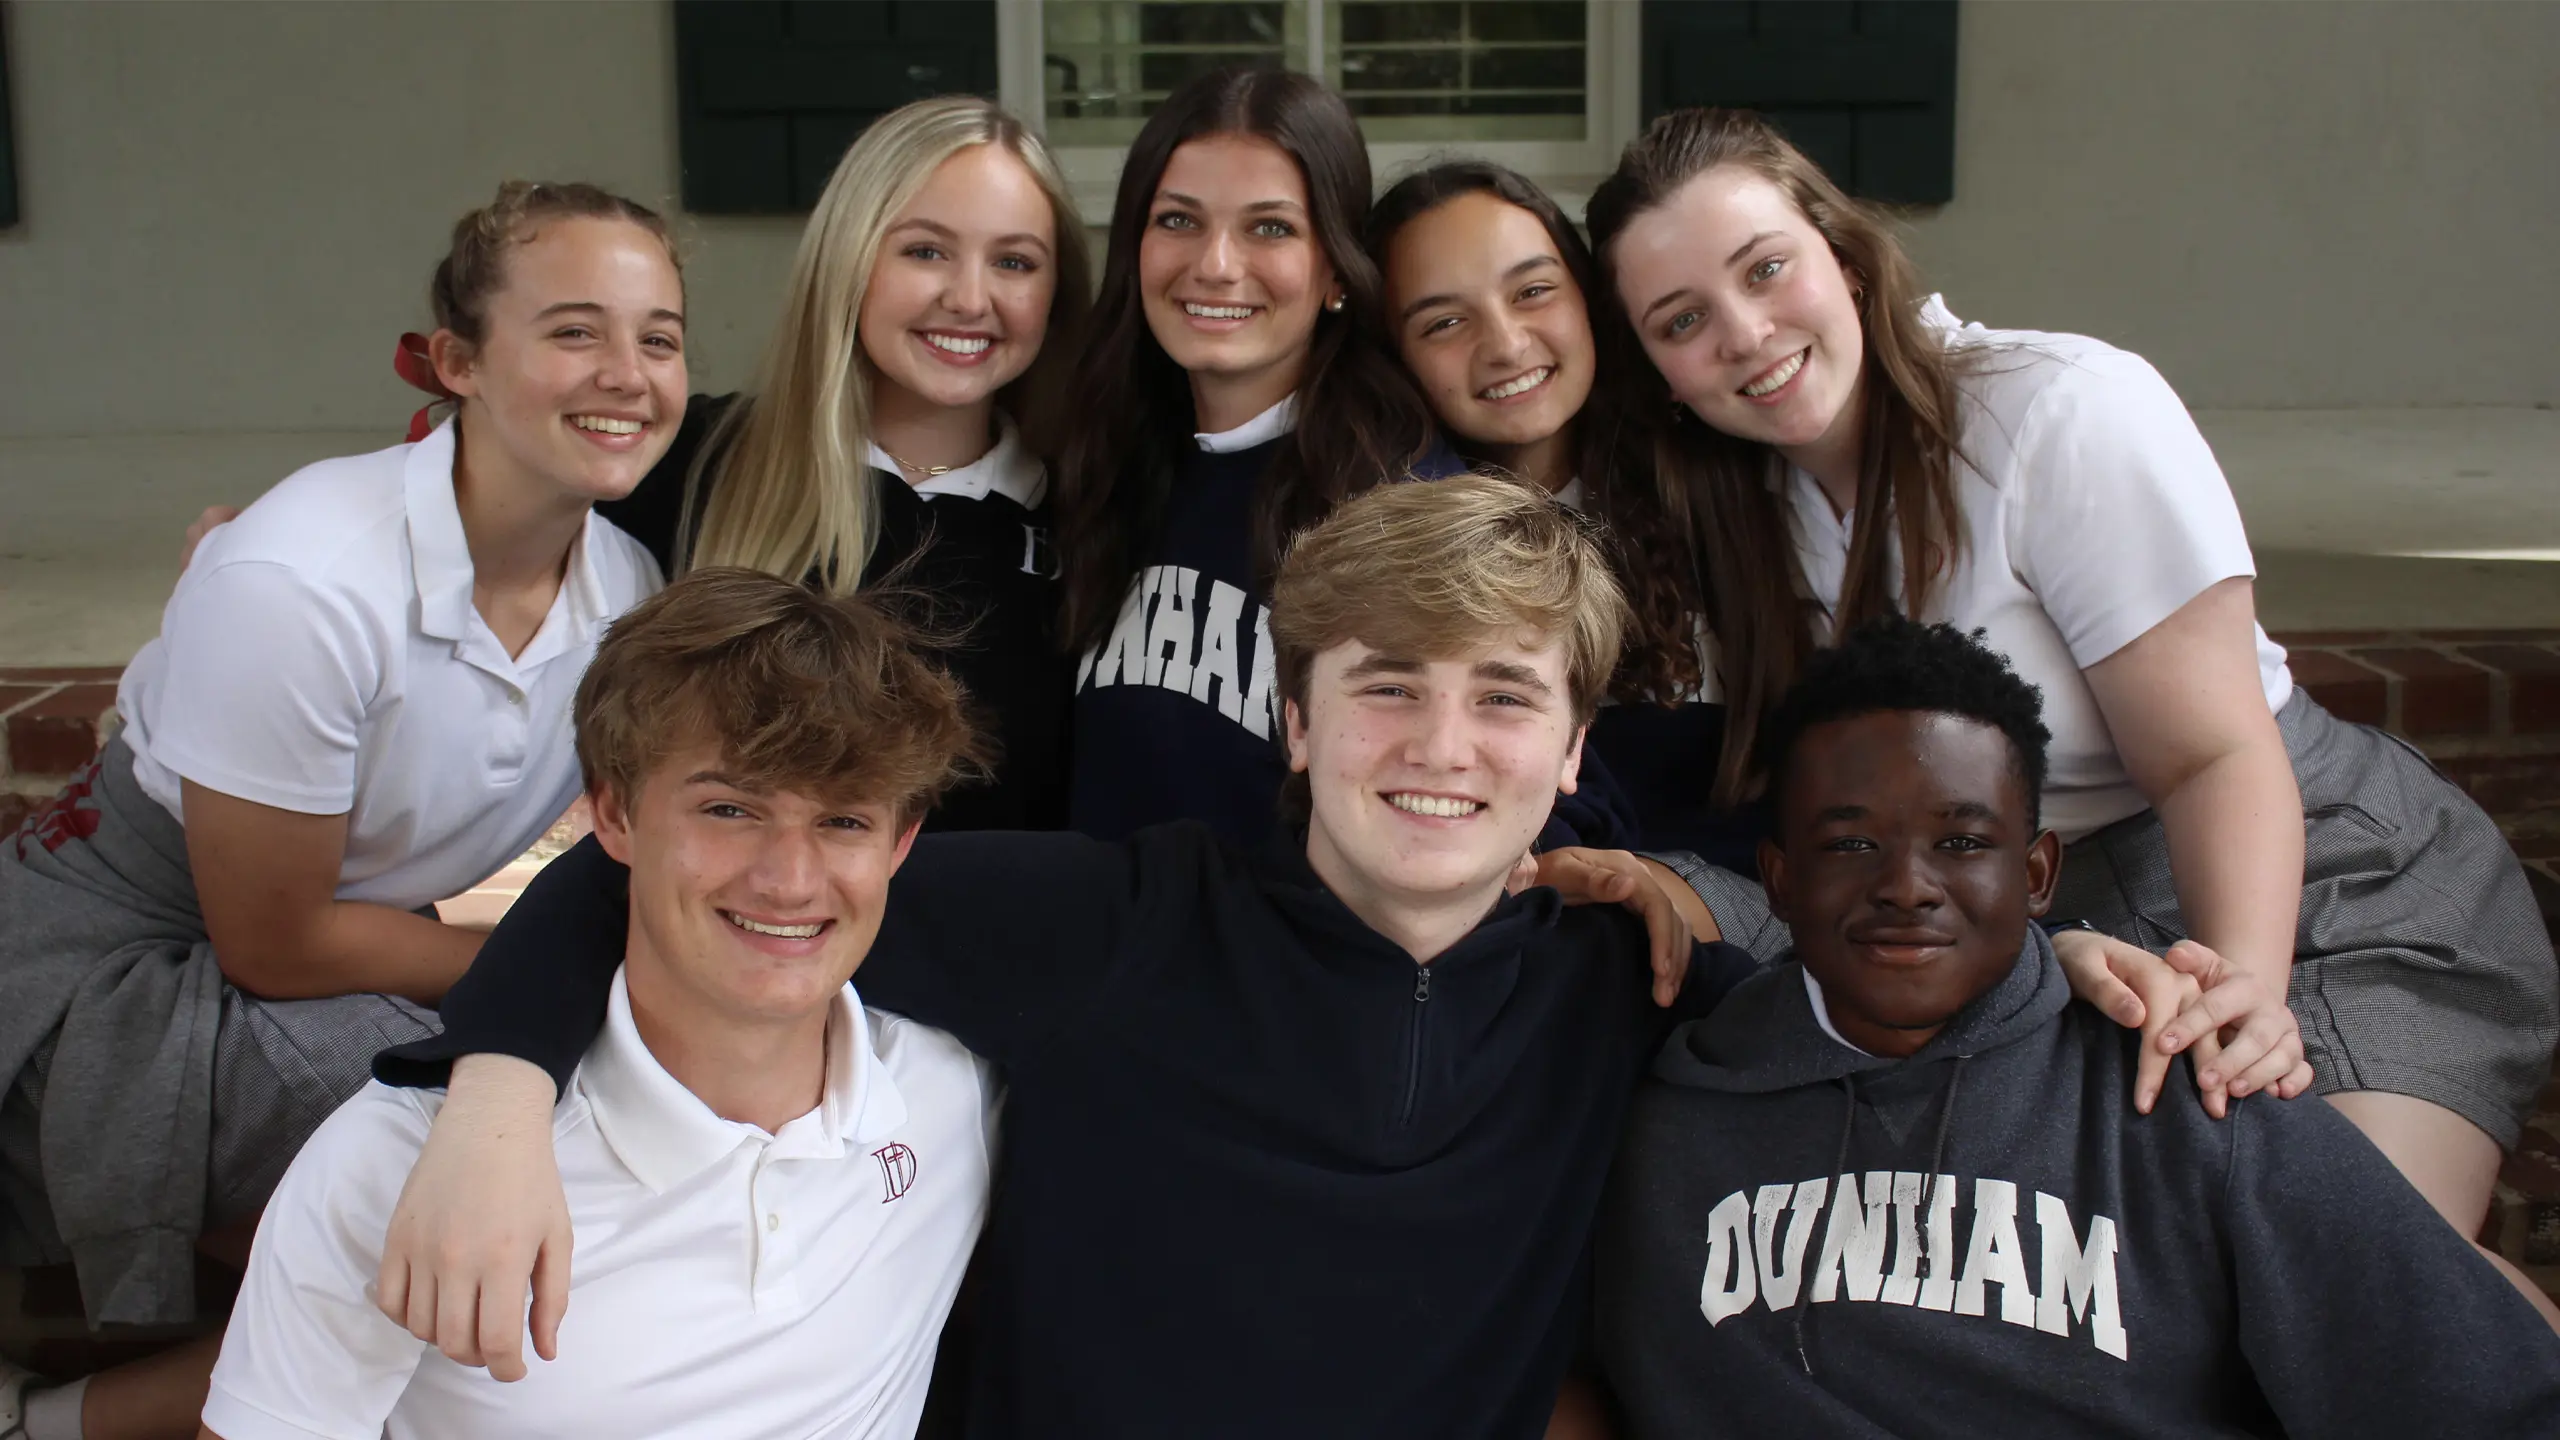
[[1890, 663]]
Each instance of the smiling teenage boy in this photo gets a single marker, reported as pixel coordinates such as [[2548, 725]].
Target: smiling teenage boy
[[774, 1190], [1895, 1186], [1304, 1141]]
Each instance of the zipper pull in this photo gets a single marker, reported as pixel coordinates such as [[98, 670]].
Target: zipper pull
[[1421, 984]]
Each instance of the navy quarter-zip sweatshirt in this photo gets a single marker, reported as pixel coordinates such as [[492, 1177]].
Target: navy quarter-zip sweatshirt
[[1262, 1174], [1986, 1239]]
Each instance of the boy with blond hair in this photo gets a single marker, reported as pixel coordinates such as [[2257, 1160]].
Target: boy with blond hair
[[773, 1188], [1299, 1142]]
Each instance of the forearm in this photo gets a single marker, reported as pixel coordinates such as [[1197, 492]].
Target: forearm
[[351, 948], [2235, 851]]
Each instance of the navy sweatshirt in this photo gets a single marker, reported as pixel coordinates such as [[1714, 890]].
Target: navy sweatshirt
[[2087, 1270], [984, 569], [1262, 1175]]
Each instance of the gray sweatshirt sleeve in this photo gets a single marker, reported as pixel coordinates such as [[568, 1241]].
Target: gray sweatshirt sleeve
[[1737, 902], [2361, 1311]]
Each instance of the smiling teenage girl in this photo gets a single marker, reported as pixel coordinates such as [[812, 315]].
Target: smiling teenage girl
[[1486, 297], [1846, 442], [1236, 299], [898, 424], [358, 704]]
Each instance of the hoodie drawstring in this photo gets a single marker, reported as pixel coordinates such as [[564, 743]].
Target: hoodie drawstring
[[1839, 1166], [1928, 1190], [1937, 1160]]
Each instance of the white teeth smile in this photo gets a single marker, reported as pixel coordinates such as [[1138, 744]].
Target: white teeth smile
[[604, 425], [959, 344], [1519, 386], [1785, 372], [787, 932], [1218, 312], [1439, 806]]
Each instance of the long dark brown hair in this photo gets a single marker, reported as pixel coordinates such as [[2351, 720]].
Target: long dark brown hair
[[1715, 487], [1362, 420], [1612, 455]]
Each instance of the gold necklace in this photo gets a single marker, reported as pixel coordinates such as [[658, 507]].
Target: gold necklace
[[927, 471]]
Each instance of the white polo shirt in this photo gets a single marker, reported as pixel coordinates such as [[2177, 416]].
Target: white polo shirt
[[322, 655], [2092, 511], [725, 1282]]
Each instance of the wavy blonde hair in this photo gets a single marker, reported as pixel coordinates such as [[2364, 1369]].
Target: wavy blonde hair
[[794, 493]]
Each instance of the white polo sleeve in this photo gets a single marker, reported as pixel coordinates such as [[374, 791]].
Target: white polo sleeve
[[267, 680], [306, 1355], [2119, 514]]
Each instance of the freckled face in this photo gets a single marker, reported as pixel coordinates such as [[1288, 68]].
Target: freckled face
[[958, 300], [1743, 307], [1489, 321], [1907, 867], [1231, 274]]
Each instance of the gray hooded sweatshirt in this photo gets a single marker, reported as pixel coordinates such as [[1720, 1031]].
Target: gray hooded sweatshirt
[[1985, 1238]]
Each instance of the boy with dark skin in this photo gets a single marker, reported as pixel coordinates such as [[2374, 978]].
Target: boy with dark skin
[[1894, 1185]]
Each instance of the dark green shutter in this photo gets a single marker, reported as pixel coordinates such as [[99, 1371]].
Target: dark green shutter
[[1867, 88], [8, 143], [770, 92]]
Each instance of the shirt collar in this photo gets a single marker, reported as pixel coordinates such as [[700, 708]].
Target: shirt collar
[[663, 1133], [1822, 1013], [1009, 470], [1268, 426], [439, 556], [1574, 496]]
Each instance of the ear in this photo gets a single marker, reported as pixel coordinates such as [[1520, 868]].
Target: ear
[[613, 820], [1572, 774], [2044, 871], [1293, 725], [906, 843], [1773, 879], [453, 358]]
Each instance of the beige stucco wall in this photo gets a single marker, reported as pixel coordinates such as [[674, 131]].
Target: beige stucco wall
[[231, 205]]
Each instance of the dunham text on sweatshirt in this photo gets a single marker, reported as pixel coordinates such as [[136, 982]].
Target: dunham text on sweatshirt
[[1985, 1238]]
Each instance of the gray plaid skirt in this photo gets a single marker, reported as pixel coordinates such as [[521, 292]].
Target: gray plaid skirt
[[2421, 966]]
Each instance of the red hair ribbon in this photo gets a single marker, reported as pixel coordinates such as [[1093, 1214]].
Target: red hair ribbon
[[409, 361]]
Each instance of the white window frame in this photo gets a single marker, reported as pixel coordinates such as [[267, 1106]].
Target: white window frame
[[1613, 78]]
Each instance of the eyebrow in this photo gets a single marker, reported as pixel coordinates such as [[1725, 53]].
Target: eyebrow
[[1748, 245], [722, 779], [1733, 259], [1968, 810], [936, 227], [589, 305], [1258, 206], [1534, 262]]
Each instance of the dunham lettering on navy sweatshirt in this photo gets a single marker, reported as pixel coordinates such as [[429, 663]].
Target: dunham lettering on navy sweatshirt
[[1776, 1258], [1261, 1174]]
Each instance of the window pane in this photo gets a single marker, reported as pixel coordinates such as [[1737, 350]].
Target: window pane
[[1107, 63], [1415, 71], [1461, 71]]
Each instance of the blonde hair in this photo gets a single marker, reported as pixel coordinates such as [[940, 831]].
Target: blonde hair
[[1432, 569], [794, 495], [820, 695]]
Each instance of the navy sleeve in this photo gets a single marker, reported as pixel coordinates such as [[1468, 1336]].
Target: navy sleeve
[[998, 937], [1598, 813], [2361, 1311], [1005, 937], [537, 988], [1715, 967]]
